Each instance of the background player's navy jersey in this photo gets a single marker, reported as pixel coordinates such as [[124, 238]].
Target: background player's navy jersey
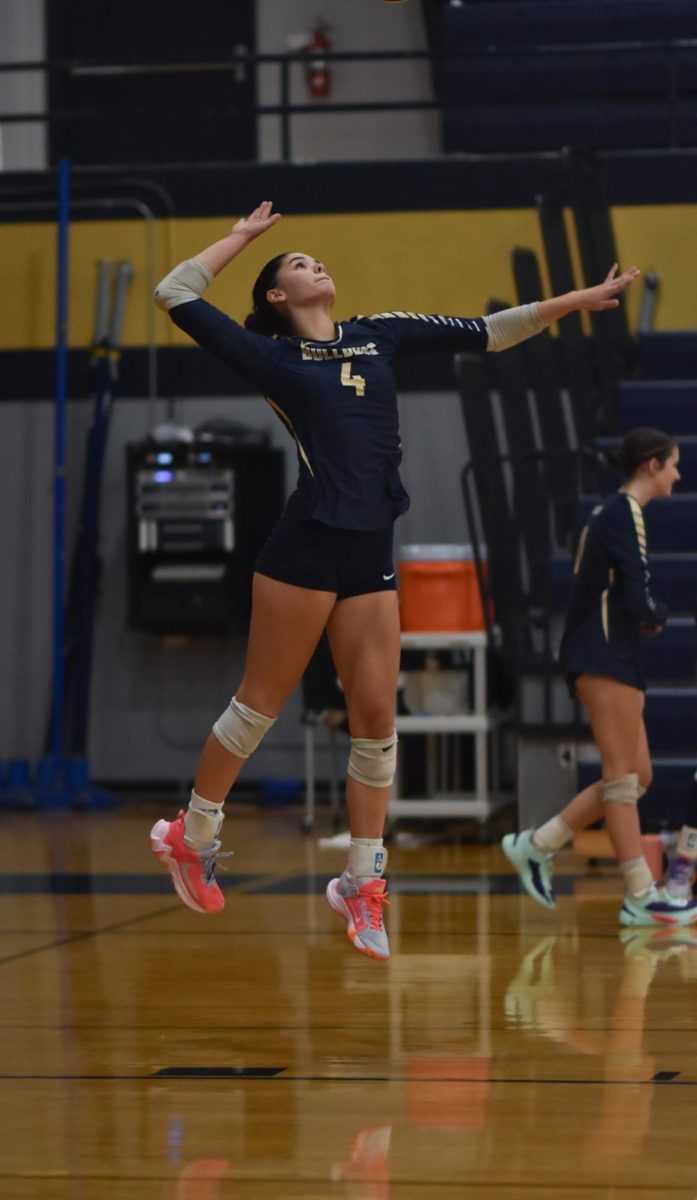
[[611, 597], [337, 400]]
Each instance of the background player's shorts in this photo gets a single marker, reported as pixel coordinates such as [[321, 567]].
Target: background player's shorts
[[629, 673], [350, 562]]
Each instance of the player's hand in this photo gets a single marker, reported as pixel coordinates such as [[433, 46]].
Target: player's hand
[[258, 221], [596, 299]]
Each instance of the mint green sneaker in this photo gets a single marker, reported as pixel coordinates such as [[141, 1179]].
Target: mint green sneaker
[[657, 907], [534, 866]]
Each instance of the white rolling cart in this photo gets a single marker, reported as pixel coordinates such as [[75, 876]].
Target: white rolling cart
[[445, 798]]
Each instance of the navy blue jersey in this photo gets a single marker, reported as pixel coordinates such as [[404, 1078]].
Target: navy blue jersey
[[611, 597], [337, 399]]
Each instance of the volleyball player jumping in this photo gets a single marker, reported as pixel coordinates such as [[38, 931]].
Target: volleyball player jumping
[[611, 607], [329, 561]]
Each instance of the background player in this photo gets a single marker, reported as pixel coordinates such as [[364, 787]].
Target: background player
[[611, 606], [329, 562]]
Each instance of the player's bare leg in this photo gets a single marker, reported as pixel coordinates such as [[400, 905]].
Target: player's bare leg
[[287, 622], [365, 641]]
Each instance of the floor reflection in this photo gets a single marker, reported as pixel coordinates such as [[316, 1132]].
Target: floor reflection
[[572, 992], [201, 1180], [366, 1172]]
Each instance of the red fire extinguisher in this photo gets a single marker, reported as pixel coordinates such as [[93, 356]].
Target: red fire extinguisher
[[317, 72]]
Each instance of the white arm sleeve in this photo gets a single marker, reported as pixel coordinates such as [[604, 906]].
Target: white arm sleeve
[[513, 325], [186, 282]]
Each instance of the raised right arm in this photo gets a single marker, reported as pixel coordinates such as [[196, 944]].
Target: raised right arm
[[179, 294], [217, 256], [189, 280]]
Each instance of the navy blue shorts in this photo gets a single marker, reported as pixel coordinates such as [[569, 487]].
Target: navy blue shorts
[[631, 675], [349, 562]]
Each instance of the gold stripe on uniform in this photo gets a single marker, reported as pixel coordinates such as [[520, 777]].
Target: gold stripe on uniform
[[603, 615], [289, 425], [638, 515], [581, 548]]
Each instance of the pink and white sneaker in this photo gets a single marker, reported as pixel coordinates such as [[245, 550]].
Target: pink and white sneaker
[[192, 871], [360, 904]]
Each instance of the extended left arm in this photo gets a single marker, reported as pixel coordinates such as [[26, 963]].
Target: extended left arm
[[593, 299], [514, 325]]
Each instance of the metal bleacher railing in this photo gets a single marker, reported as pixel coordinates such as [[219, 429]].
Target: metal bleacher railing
[[671, 89]]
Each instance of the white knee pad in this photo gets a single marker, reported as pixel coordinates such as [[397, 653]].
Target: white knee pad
[[622, 791], [642, 791], [373, 761], [240, 729]]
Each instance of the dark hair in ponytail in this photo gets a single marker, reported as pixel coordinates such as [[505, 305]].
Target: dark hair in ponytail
[[640, 446], [265, 317]]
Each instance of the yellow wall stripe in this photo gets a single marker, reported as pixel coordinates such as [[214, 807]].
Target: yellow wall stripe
[[447, 262]]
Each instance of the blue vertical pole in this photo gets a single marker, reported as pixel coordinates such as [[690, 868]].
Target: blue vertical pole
[[57, 742]]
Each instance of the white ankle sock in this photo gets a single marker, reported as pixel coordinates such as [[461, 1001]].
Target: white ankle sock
[[202, 822], [552, 835], [367, 858], [637, 876], [687, 842]]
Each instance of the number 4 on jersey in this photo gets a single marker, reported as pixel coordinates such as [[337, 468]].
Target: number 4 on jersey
[[354, 381]]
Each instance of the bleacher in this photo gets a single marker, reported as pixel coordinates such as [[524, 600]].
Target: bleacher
[[524, 76]]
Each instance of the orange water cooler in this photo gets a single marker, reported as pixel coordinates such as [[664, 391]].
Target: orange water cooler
[[438, 589]]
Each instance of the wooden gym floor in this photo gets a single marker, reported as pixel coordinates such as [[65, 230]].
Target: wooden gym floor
[[503, 1051]]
